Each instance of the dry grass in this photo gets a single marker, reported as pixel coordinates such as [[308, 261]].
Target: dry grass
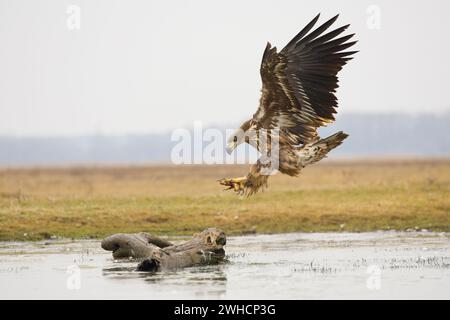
[[331, 196]]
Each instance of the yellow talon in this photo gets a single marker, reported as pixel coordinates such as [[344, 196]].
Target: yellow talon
[[236, 184]]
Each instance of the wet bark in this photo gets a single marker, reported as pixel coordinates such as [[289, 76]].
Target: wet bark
[[159, 254]]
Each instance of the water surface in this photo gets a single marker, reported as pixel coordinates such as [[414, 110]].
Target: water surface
[[282, 266]]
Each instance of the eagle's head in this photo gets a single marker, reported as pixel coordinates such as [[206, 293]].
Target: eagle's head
[[239, 136]]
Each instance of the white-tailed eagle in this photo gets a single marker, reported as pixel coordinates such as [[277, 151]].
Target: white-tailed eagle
[[297, 97]]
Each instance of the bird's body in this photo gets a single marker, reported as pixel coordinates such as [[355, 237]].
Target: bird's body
[[297, 97]]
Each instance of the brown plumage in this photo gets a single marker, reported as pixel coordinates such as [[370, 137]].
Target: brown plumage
[[297, 97]]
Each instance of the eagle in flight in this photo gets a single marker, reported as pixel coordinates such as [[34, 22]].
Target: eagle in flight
[[297, 97]]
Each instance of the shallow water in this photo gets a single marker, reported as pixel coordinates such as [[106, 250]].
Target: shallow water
[[283, 266]]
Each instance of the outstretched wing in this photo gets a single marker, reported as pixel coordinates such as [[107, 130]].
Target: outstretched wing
[[299, 82]]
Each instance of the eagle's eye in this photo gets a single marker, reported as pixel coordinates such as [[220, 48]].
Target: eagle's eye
[[235, 139]]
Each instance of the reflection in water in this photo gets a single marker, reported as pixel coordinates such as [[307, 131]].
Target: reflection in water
[[203, 281], [283, 266]]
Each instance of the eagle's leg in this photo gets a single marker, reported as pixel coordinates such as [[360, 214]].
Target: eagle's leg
[[236, 184]]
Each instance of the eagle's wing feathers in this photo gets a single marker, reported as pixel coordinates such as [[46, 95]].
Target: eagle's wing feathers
[[299, 82]]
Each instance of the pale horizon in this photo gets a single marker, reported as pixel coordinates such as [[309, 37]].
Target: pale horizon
[[137, 67]]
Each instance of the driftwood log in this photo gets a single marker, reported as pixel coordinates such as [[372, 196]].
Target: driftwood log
[[205, 247]]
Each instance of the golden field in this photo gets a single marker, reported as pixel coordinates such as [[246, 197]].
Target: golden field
[[82, 202]]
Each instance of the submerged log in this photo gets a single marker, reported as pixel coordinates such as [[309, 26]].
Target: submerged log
[[205, 247]]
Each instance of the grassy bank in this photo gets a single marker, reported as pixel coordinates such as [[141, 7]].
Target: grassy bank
[[333, 196]]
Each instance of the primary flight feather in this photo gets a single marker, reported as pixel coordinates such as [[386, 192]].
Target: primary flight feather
[[297, 97]]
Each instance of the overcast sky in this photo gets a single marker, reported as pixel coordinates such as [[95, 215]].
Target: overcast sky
[[150, 66]]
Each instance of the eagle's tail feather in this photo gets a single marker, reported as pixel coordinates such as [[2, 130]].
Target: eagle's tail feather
[[318, 150]]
